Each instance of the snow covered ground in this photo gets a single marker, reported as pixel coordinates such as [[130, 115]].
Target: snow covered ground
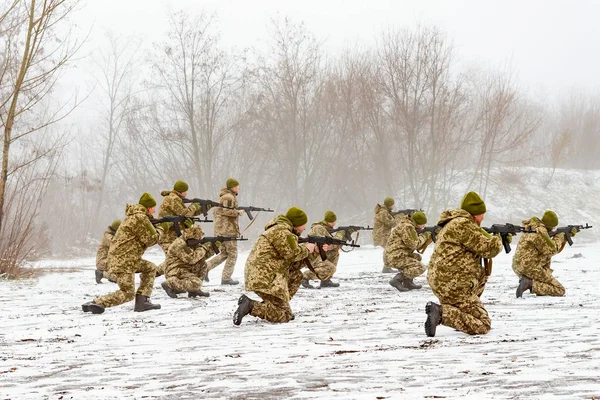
[[362, 340]]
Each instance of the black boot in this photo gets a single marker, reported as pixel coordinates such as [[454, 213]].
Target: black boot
[[99, 276], [329, 283], [245, 305], [143, 303], [524, 284], [229, 282], [387, 270], [396, 282], [306, 284], [410, 285], [92, 307], [170, 292], [198, 293], [206, 277], [434, 318]]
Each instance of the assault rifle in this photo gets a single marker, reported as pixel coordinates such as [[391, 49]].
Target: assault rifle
[[431, 229], [176, 220], [250, 209], [408, 211], [213, 240], [205, 205], [504, 230], [567, 231], [347, 229], [323, 240]]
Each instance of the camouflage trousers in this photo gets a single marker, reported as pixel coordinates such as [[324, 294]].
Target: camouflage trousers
[[109, 276], [229, 254], [273, 308], [544, 283], [463, 310], [187, 279], [410, 266], [126, 280], [325, 269], [103, 266], [164, 245]]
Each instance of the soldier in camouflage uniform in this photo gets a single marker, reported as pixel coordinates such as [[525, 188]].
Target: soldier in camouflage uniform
[[227, 224], [102, 254], [532, 259], [273, 269], [173, 205], [326, 268], [135, 234], [401, 248], [382, 227], [186, 265], [456, 274]]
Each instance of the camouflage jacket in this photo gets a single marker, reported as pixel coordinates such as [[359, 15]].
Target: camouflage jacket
[[226, 219], [102, 254], [535, 250], [461, 244], [173, 204], [182, 258], [382, 225], [403, 241], [269, 262], [135, 234]]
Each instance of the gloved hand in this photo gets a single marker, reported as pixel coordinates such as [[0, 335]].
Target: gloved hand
[[218, 244], [509, 238], [573, 231], [198, 208], [352, 231], [438, 230], [426, 235], [188, 223]]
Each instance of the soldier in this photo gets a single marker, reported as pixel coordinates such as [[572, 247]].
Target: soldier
[[401, 254], [186, 266], [324, 268], [102, 254], [273, 269], [226, 224], [382, 226], [136, 233], [173, 205], [534, 252], [456, 275]]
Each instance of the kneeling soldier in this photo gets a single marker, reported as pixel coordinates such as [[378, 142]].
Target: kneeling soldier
[[185, 265], [400, 251]]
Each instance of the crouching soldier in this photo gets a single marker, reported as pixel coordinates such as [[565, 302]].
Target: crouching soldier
[[273, 269], [534, 252], [456, 274], [135, 234], [401, 248], [185, 265], [102, 254]]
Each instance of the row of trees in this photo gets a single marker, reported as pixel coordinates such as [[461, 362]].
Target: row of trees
[[293, 124]]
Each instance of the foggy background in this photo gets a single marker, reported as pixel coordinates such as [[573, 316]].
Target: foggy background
[[323, 105]]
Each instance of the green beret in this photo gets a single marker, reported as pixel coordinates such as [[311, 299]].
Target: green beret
[[419, 218], [147, 200], [550, 219], [232, 182], [330, 216], [473, 204], [181, 186], [115, 224], [388, 202], [296, 216]]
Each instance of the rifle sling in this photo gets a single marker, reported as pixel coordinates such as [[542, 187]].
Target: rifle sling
[[250, 224], [425, 245]]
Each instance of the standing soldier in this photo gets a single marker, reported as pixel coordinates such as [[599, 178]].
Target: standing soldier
[[227, 224], [328, 267], [273, 269], [456, 274], [185, 265], [401, 251], [534, 252], [172, 205], [136, 233], [102, 254], [382, 226]]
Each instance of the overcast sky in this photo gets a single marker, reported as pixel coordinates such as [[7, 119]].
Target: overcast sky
[[553, 45]]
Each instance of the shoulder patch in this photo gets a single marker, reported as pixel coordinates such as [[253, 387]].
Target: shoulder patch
[[548, 240], [292, 241], [413, 233]]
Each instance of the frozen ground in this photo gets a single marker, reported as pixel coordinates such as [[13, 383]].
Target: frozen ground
[[362, 340]]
